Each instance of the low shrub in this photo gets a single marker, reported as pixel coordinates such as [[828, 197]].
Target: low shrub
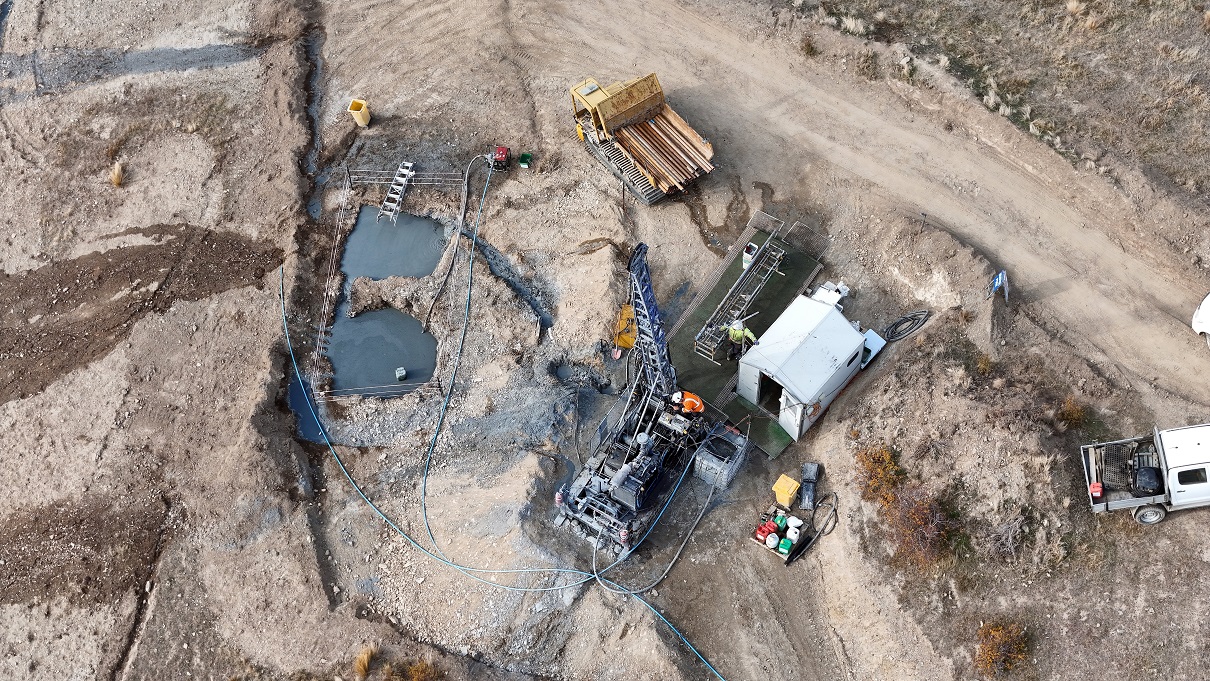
[[921, 527], [879, 475], [1001, 646], [1072, 412]]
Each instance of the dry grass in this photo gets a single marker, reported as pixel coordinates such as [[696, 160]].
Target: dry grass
[[1001, 647], [1072, 412], [361, 663], [1206, 21], [1004, 540], [866, 64], [921, 528], [879, 475], [984, 364], [423, 671], [116, 174], [1076, 8], [807, 46]]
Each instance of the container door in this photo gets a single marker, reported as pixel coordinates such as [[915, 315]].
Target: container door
[[1190, 485], [790, 416]]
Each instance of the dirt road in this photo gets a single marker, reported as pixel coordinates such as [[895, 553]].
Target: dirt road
[[1079, 252]]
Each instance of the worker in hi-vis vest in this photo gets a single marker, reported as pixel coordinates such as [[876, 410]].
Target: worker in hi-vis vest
[[687, 403], [738, 334]]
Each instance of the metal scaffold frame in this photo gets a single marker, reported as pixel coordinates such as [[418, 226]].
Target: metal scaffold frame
[[734, 305]]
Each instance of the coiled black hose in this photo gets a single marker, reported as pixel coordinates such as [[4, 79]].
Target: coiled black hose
[[905, 326]]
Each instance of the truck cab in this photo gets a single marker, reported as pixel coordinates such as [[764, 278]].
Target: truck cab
[[1201, 320], [1166, 471]]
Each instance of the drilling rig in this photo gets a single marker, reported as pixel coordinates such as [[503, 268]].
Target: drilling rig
[[644, 445]]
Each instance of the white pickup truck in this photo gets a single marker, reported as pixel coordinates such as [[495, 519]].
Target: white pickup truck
[[1201, 320], [1151, 475]]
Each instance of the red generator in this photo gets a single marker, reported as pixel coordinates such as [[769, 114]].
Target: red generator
[[501, 158]]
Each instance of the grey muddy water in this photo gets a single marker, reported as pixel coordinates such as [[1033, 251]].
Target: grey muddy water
[[366, 349]]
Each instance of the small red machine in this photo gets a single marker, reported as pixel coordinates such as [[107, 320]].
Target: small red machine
[[501, 158]]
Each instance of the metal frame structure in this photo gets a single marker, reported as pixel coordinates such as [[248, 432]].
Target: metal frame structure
[[747, 286], [639, 451]]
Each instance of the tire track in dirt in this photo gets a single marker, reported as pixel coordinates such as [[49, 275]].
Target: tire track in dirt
[[5, 8], [62, 71], [139, 621], [89, 554]]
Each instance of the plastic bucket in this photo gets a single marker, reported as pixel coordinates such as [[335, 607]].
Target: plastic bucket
[[360, 111]]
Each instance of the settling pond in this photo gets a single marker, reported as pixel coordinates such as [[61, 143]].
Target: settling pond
[[365, 350]]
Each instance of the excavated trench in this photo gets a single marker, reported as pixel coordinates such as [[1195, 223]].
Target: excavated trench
[[365, 350], [500, 266], [63, 70]]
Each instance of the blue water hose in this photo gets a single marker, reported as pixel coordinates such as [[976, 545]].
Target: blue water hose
[[584, 577]]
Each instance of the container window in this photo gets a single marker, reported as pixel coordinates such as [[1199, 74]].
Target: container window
[[1192, 477], [853, 358]]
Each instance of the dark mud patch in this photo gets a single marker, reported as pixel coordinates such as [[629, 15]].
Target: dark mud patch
[[89, 554], [68, 314], [718, 237], [526, 289]]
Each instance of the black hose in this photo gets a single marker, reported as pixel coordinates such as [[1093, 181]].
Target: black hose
[[905, 326]]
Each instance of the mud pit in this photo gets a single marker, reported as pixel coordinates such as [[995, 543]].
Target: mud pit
[[155, 454]]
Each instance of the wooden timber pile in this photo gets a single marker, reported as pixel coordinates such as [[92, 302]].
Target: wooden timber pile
[[667, 149], [630, 127]]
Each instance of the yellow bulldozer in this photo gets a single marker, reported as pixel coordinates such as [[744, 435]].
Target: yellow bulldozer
[[631, 129]]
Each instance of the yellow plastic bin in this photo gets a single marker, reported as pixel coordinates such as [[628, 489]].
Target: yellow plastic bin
[[786, 490], [360, 111]]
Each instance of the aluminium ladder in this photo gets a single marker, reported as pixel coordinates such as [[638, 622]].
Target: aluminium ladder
[[735, 304], [393, 201]]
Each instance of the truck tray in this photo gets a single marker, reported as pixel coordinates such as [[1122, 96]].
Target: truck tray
[[668, 151]]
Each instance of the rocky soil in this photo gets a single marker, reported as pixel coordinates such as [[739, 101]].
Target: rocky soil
[[160, 519]]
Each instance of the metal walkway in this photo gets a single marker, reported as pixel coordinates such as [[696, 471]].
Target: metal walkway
[[735, 303]]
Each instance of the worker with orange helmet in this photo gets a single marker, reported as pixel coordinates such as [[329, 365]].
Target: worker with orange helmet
[[687, 403]]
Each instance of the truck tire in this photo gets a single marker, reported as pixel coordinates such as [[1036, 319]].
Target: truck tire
[[1149, 515]]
